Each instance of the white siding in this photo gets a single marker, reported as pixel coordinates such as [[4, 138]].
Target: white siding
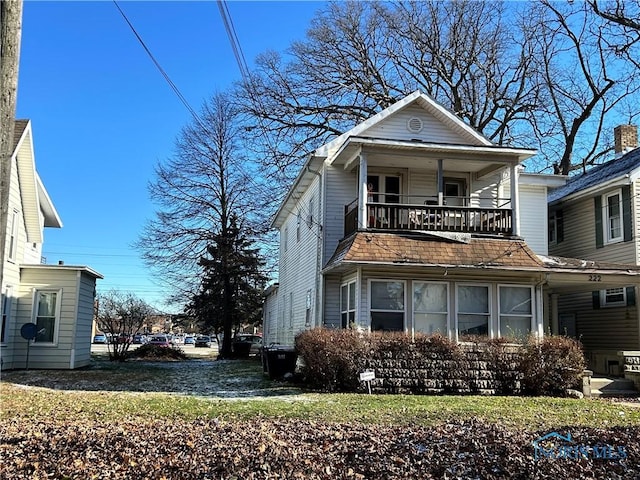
[[533, 218], [299, 267], [395, 128], [84, 321], [635, 194], [340, 190]]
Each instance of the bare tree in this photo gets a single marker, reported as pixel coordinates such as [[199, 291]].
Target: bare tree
[[121, 315], [624, 18], [538, 75], [208, 195], [584, 83]]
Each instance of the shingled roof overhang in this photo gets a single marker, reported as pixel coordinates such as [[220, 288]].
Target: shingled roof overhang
[[482, 256], [427, 250]]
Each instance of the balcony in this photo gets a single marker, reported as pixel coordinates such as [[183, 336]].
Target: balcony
[[464, 217]]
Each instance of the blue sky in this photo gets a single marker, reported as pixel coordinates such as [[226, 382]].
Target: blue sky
[[103, 115]]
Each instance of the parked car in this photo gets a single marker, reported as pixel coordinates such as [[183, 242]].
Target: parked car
[[101, 338], [189, 341], [160, 340], [247, 344], [203, 341], [139, 339]]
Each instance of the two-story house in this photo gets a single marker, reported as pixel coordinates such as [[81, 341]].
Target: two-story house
[[412, 221], [596, 215], [57, 299]]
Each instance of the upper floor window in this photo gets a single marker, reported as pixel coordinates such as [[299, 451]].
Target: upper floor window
[[47, 313], [613, 216], [285, 239], [556, 226], [13, 236]]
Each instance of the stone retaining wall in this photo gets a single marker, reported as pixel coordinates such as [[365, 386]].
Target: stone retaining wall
[[476, 369], [631, 366]]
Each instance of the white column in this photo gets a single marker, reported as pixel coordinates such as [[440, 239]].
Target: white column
[[515, 204], [362, 193]]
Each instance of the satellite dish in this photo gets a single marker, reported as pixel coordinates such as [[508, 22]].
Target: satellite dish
[[29, 331]]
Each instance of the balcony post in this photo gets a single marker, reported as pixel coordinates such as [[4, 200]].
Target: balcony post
[[440, 182], [515, 204], [362, 193]]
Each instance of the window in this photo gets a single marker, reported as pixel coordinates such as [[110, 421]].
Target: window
[[473, 309], [13, 236], [285, 240], [6, 311], [310, 217], [298, 222], [387, 305], [613, 297], [613, 217], [556, 226], [516, 312], [348, 304], [454, 190], [46, 313], [430, 311]]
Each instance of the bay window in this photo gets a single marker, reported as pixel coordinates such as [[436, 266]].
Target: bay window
[[430, 307], [387, 305], [516, 311], [474, 309]]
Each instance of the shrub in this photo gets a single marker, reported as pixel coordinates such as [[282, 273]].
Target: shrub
[[551, 365], [504, 358], [332, 358], [158, 352]]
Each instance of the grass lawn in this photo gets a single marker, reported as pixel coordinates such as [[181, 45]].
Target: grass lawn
[[238, 390], [223, 420]]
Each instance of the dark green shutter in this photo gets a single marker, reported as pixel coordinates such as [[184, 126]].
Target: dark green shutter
[[626, 213], [631, 296], [559, 226], [598, 207], [595, 297]]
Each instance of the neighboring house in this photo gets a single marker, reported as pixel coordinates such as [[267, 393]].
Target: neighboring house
[[59, 299], [414, 222], [596, 215]]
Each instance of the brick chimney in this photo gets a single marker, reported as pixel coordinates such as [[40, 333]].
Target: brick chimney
[[625, 138]]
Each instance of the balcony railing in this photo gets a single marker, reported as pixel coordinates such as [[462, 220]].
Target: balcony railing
[[443, 218]]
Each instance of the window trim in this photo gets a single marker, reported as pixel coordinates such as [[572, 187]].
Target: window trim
[[619, 303], [7, 297], [447, 313], [404, 300], [532, 299], [56, 322], [490, 297], [13, 237], [606, 219], [556, 226], [350, 308]]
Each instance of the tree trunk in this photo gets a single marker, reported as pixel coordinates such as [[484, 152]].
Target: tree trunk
[[10, 32]]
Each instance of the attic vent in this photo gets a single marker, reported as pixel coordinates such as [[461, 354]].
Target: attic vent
[[414, 125]]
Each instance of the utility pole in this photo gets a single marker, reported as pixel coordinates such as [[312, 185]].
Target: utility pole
[[10, 34]]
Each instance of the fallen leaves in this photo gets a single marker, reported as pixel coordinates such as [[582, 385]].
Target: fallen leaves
[[269, 448]]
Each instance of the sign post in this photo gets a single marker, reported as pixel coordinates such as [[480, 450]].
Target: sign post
[[367, 376]]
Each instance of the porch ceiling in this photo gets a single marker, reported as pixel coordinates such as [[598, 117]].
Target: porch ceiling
[[574, 275], [407, 154]]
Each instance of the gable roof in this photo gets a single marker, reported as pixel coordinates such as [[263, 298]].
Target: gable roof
[[424, 101], [607, 172], [34, 196]]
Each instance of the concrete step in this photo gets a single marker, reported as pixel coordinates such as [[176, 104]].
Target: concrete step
[[613, 387]]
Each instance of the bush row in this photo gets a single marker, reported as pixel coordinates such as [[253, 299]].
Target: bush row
[[333, 360]]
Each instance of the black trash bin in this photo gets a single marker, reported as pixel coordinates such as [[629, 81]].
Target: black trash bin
[[279, 360]]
